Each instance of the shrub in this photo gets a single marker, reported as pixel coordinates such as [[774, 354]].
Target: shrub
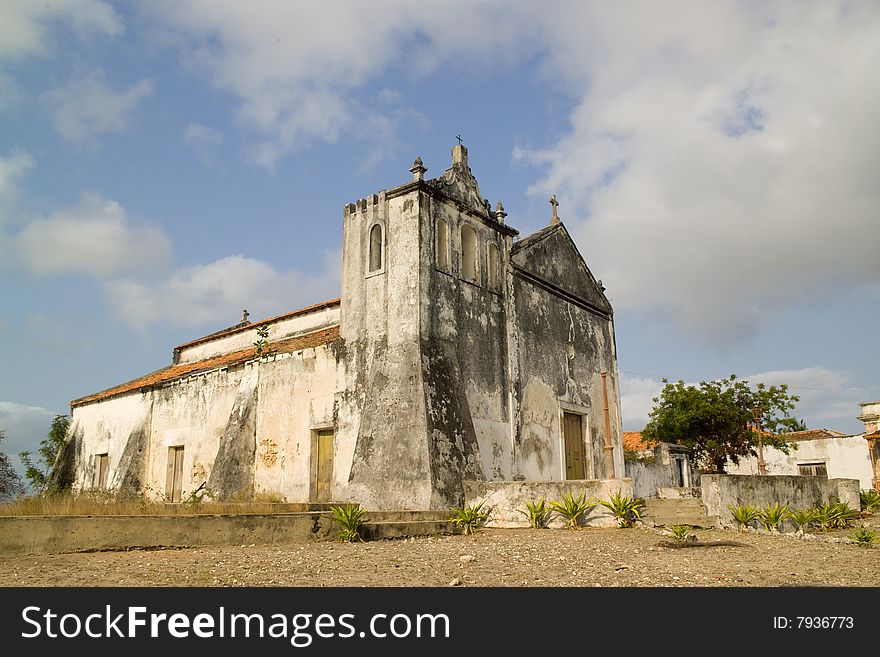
[[744, 514], [625, 509], [802, 518], [468, 518], [679, 533], [572, 508], [537, 513], [824, 516], [349, 517], [773, 515], [864, 537], [870, 500]]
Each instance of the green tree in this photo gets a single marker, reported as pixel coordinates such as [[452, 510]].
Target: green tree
[[10, 482], [719, 420], [40, 478]]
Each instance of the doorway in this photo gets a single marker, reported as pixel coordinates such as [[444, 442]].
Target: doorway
[[174, 476], [323, 469], [573, 440]]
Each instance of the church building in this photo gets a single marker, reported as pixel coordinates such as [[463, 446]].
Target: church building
[[456, 352]]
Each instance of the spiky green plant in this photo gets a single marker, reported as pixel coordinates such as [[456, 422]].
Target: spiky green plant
[[537, 513], [349, 517], [843, 515], [864, 537], [773, 515], [624, 508], [802, 518], [744, 514], [468, 518], [824, 516], [679, 533], [870, 500], [572, 508]]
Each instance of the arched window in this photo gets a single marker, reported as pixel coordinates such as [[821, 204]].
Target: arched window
[[468, 253], [494, 265], [376, 248], [442, 244]]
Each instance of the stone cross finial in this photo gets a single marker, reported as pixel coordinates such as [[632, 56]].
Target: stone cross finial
[[554, 219], [244, 315], [459, 139], [418, 169]]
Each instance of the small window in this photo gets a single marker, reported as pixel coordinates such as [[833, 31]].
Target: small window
[[376, 248], [468, 253], [102, 467], [442, 244], [493, 267], [813, 469]]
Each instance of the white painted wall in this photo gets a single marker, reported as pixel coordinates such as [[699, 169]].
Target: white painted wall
[[278, 330], [846, 457]]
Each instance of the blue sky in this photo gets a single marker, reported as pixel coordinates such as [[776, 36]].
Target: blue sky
[[164, 165]]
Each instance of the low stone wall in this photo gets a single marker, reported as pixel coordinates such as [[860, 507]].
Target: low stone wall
[[40, 534], [718, 492], [504, 500]]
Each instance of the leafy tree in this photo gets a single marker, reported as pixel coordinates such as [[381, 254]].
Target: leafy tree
[[719, 420], [10, 482], [40, 478]]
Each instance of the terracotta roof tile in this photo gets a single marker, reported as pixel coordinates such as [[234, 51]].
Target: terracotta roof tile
[[813, 434], [287, 345], [633, 442], [238, 328]]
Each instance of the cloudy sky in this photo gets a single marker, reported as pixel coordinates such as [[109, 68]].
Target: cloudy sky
[[165, 164]]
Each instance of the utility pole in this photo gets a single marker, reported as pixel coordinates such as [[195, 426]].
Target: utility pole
[[762, 469]]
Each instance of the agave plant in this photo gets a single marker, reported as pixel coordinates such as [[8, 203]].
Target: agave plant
[[468, 518], [843, 515], [773, 515], [824, 516], [870, 500], [802, 518], [537, 513], [572, 508], [864, 537], [625, 509], [349, 517], [744, 514], [679, 533]]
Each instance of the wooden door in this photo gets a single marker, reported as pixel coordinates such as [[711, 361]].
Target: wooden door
[[103, 466], [324, 465], [574, 447], [174, 475]]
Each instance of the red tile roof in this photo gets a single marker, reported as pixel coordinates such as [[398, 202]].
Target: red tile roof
[[812, 434], [238, 328], [287, 345], [633, 442]]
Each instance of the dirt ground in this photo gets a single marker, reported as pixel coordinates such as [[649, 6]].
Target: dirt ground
[[496, 557]]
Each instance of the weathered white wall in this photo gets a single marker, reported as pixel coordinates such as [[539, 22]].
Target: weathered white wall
[[278, 330], [104, 428], [845, 457]]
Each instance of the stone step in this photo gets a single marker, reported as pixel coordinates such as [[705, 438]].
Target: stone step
[[670, 503], [695, 520], [375, 530], [672, 513], [405, 516]]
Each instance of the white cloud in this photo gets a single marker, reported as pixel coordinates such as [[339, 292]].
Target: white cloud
[[87, 107], [827, 398], [636, 400], [196, 134], [95, 237], [722, 158], [295, 67], [25, 427], [24, 23], [216, 293], [13, 169]]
